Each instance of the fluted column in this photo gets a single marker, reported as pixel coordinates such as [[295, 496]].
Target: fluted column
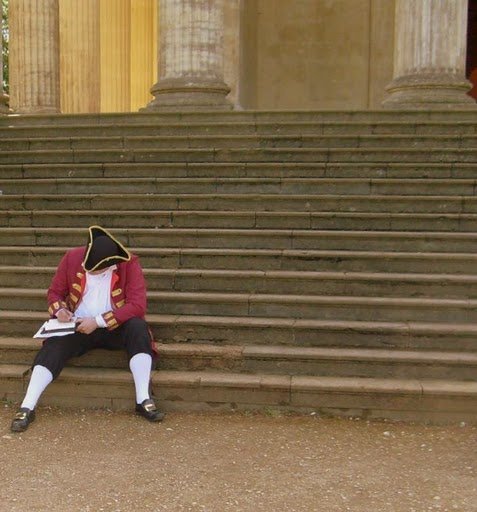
[[34, 56], [191, 74], [79, 59], [429, 55], [143, 50], [3, 96], [115, 55]]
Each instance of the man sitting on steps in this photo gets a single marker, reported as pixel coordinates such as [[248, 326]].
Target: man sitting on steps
[[101, 286]]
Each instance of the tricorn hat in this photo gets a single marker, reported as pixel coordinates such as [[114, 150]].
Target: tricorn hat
[[103, 250]]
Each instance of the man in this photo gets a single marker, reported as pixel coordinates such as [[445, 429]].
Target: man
[[101, 287]]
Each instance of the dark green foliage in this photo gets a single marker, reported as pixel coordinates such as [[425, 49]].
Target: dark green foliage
[[5, 44]]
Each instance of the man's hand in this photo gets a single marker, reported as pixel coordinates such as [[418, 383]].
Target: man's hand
[[64, 315], [86, 325]]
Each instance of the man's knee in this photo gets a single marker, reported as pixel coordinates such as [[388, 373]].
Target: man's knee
[[136, 326], [137, 336], [52, 355]]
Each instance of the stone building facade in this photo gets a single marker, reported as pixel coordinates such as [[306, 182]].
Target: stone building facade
[[75, 56]]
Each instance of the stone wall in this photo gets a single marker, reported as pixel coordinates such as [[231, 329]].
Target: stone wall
[[316, 53]]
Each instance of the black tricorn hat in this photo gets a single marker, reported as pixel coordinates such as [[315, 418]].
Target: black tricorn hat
[[103, 250]]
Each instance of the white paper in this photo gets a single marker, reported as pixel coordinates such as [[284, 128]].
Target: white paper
[[54, 327]]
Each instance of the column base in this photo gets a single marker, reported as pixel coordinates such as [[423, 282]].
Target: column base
[[188, 94], [37, 110], [4, 104], [429, 91]]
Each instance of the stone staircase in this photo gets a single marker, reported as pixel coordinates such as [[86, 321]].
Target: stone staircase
[[307, 261]]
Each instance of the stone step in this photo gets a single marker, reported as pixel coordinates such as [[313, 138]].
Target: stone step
[[286, 323], [409, 399], [276, 170], [331, 362], [22, 350], [326, 307], [279, 186], [265, 359], [255, 141], [276, 282], [267, 259], [233, 330], [242, 128], [257, 116], [280, 239], [405, 204], [242, 155], [456, 222]]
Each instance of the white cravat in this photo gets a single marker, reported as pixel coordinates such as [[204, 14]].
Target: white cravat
[[96, 298]]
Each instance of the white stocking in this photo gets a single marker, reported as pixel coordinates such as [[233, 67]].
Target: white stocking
[[40, 378], [140, 365]]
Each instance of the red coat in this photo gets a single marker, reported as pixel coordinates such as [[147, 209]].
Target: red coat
[[128, 288]]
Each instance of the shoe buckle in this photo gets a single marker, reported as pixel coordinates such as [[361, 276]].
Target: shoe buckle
[[150, 407], [20, 415]]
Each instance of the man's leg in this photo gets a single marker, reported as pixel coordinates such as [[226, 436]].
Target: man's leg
[[134, 336], [47, 365], [39, 380], [140, 366]]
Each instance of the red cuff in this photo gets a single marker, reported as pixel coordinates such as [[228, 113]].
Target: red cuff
[[110, 319], [56, 306]]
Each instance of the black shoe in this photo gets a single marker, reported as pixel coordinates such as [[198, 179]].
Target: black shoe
[[149, 411], [22, 419]]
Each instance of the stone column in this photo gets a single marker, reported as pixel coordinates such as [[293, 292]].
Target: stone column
[[143, 50], [232, 48], [34, 56], [429, 56], [80, 54], [191, 67], [3, 96], [115, 33]]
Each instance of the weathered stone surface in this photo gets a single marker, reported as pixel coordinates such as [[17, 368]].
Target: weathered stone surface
[[351, 275], [191, 71], [34, 56], [429, 56]]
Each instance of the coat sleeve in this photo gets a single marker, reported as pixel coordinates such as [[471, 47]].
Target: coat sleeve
[[58, 290], [134, 295]]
